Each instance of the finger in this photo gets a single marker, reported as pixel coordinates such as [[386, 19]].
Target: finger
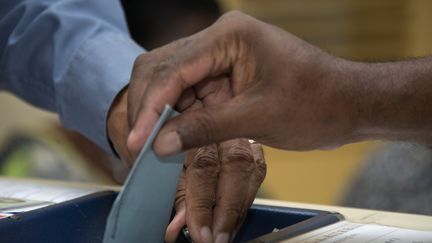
[[118, 127], [176, 225], [147, 61], [202, 177], [255, 182], [237, 167], [136, 88], [179, 219], [168, 80], [215, 90], [238, 117], [186, 100], [196, 156]]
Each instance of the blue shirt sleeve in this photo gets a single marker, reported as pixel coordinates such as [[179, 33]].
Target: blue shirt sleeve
[[68, 56]]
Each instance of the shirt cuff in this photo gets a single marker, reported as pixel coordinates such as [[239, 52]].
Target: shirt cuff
[[99, 70]]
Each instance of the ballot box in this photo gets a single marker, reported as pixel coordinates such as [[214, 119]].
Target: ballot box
[[83, 220], [52, 211], [140, 211]]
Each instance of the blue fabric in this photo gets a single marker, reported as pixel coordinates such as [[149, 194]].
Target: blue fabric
[[67, 56]]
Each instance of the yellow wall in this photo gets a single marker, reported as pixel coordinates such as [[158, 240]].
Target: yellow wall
[[315, 177], [362, 30], [16, 115]]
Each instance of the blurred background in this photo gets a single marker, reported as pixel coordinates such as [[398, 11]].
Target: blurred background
[[371, 174]]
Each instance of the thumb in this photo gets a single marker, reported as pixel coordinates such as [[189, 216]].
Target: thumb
[[208, 125]]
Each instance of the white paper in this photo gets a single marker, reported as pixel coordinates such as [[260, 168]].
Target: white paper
[[346, 231], [37, 195]]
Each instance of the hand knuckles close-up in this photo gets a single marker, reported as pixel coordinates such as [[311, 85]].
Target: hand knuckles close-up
[[201, 205], [236, 153], [142, 66], [139, 61], [165, 63], [231, 17], [205, 159], [238, 24], [161, 74]]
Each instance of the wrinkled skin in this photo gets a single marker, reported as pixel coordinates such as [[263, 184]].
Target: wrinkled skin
[[243, 78], [258, 67], [218, 184], [284, 92]]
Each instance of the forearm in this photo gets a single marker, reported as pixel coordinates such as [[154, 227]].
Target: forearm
[[70, 57], [393, 101]]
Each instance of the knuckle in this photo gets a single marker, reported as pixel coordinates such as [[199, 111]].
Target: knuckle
[[239, 156], [236, 21], [237, 153], [202, 205], [205, 159], [236, 30], [163, 64], [140, 61]]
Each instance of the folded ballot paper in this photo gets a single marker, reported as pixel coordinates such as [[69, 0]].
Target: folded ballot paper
[[140, 213], [17, 196], [147, 195]]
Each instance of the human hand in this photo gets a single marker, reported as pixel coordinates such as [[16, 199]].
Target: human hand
[[118, 127], [285, 92], [216, 189], [217, 186], [219, 182]]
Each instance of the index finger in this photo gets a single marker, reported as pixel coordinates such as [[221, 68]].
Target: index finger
[[201, 180], [183, 64], [151, 97], [237, 169]]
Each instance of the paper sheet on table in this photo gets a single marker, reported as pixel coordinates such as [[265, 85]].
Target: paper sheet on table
[[346, 231], [29, 196]]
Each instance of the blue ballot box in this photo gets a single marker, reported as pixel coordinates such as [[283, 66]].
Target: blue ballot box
[[83, 220], [141, 212]]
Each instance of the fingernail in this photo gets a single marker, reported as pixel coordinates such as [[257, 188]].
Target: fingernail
[[131, 139], [222, 238], [206, 234], [168, 144]]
